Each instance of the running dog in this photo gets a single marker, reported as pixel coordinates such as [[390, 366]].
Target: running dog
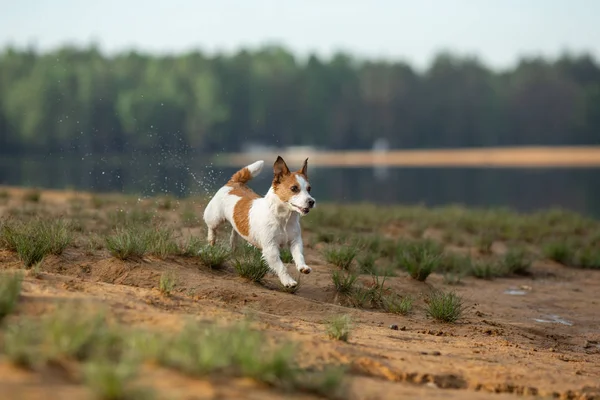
[[265, 222]]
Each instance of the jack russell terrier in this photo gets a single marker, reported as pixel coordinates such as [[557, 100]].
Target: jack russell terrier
[[265, 222]]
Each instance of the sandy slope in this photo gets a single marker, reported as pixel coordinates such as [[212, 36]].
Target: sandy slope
[[497, 351]]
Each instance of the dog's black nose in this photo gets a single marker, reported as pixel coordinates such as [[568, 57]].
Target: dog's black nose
[[311, 203]]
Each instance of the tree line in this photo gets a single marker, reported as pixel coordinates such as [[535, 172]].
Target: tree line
[[81, 101]]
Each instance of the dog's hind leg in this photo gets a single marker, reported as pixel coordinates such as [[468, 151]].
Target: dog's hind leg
[[233, 239], [213, 219]]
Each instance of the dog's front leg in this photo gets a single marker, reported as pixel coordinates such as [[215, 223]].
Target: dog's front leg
[[296, 248], [271, 256]]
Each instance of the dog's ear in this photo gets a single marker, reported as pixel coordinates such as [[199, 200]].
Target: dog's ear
[[280, 169], [304, 169]]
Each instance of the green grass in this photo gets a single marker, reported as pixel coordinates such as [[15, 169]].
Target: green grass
[[484, 243], [110, 380], [341, 256], [92, 244], [161, 242], [420, 258], [516, 261], [249, 264], [10, 290], [167, 282], [128, 242], [21, 343], [559, 251], [75, 332], [366, 263], [339, 327], [445, 306], [344, 282], [125, 218], [398, 305], [109, 355], [487, 269], [213, 257], [286, 256], [35, 239], [588, 257]]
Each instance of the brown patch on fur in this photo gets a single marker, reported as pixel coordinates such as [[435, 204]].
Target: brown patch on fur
[[241, 210], [283, 179], [242, 176], [282, 186]]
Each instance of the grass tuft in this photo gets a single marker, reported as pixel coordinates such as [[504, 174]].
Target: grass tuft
[[398, 305], [127, 242], [420, 258], [167, 283], [110, 380], [339, 327], [445, 306], [33, 240], [250, 264], [213, 257], [560, 251], [516, 261], [344, 282], [10, 289], [341, 256]]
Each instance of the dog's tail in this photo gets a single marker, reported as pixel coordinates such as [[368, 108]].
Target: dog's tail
[[247, 173]]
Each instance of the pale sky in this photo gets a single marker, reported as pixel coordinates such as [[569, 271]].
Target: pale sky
[[497, 31]]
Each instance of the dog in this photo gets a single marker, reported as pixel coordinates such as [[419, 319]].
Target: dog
[[267, 222]]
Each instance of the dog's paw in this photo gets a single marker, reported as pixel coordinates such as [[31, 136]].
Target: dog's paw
[[305, 269], [288, 281]]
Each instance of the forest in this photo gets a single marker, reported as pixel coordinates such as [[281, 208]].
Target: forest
[[81, 101]]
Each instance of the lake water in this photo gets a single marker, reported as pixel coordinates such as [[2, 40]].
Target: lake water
[[576, 189]]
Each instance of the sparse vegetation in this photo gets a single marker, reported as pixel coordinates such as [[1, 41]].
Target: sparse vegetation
[[343, 282], [167, 283], [339, 327], [113, 380], [420, 258], [366, 263], [249, 263], [486, 269], [213, 257], [559, 251], [341, 256], [21, 342], [10, 289], [161, 242], [128, 242], [286, 256], [445, 306], [34, 239], [398, 305], [516, 261]]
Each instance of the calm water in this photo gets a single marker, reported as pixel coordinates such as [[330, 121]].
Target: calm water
[[521, 189]]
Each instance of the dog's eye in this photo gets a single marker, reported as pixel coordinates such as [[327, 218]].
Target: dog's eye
[[294, 189], [308, 189]]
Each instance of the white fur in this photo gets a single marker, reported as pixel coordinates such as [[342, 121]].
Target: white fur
[[273, 223]]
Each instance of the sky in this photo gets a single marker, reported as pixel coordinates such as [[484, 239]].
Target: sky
[[498, 32]]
